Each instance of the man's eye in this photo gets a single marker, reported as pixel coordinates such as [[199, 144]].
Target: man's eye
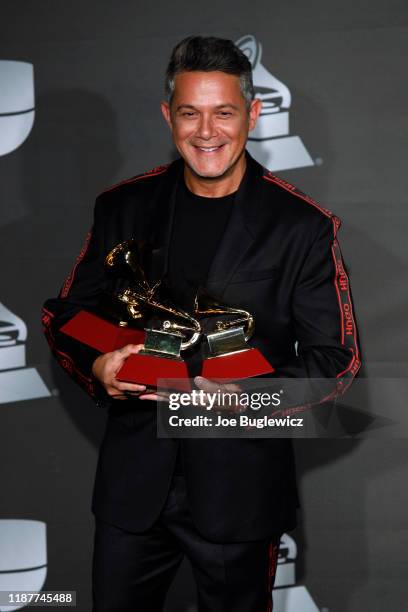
[[224, 114], [188, 114]]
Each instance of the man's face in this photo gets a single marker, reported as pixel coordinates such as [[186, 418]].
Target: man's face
[[210, 121]]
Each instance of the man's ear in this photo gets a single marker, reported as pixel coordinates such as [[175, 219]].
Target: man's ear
[[165, 109], [254, 112]]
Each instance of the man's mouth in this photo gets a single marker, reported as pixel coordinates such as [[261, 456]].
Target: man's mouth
[[209, 149]]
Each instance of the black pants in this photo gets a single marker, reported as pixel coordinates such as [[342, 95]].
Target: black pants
[[133, 571]]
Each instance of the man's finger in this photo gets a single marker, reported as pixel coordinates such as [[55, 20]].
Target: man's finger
[[118, 396], [212, 387], [207, 385], [158, 397], [127, 350], [125, 386]]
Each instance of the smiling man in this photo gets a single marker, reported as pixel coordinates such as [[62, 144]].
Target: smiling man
[[210, 119], [215, 218]]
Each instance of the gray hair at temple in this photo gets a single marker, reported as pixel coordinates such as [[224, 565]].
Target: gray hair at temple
[[206, 54]]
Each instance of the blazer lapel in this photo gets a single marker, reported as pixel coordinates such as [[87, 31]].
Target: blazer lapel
[[239, 235], [161, 215]]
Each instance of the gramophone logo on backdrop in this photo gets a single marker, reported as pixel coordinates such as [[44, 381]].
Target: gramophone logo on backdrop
[[17, 382], [16, 104], [270, 142], [23, 557], [287, 596]]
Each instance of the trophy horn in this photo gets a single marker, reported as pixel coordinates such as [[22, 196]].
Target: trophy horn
[[205, 305], [125, 259], [187, 325], [227, 354]]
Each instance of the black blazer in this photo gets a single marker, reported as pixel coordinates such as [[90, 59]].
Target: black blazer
[[279, 259]]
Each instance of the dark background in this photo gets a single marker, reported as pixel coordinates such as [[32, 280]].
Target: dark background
[[98, 69]]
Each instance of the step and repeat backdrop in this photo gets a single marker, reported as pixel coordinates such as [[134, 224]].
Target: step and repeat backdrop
[[80, 88]]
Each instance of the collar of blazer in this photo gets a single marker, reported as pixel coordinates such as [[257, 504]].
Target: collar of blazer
[[239, 233]]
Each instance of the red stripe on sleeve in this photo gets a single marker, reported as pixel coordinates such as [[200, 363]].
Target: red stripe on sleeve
[[70, 278]]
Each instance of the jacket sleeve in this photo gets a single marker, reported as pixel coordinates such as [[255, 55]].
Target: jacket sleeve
[[323, 318], [81, 290]]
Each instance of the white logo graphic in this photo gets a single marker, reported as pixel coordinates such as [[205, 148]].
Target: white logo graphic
[[17, 382], [287, 597], [23, 557], [270, 142], [16, 104]]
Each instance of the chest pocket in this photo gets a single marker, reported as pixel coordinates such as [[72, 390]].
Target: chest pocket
[[245, 276]]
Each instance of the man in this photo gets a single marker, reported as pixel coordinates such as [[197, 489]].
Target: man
[[214, 217]]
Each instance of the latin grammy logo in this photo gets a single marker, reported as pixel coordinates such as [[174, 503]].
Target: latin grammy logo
[[23, 557], [16, 104], [270, 142], [17, 382], [287, 595]]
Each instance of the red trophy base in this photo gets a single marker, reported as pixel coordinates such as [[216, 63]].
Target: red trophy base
[[148, 369], [236, 366], [100, 334], [105, 337]]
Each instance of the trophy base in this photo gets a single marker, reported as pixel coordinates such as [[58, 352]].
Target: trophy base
[[100, 334], [148, 369], [238, 365]]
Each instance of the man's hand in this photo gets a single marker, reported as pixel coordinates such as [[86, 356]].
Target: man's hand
[[230, 389], [209, 387], [105, 368]]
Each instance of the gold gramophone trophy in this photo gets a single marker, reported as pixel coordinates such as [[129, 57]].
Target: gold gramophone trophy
[[228, 356], [137, 314], [168, 329]]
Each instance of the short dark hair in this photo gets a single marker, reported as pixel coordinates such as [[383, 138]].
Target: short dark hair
[[206, 54]]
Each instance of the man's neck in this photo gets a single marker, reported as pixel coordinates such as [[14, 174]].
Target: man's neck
[[215, 187]]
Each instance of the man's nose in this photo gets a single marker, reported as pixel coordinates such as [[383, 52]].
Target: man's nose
[[206, 127]]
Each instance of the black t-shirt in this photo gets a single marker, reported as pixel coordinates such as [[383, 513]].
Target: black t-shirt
[[198, 226]]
